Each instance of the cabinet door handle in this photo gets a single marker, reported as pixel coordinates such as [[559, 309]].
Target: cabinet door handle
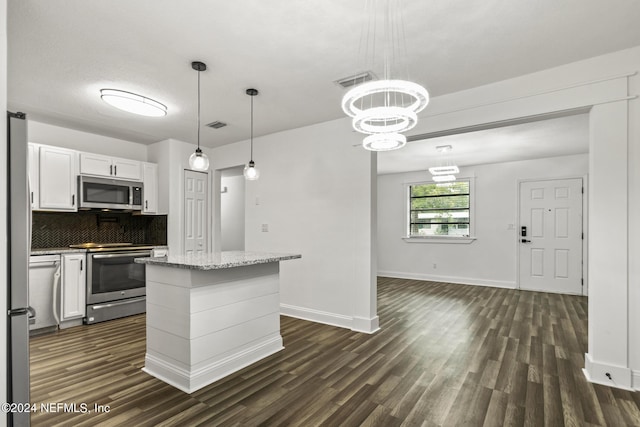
[[115, 170], [81, 262], [73, 200], [146, 204], [32, 197], [110, 169]]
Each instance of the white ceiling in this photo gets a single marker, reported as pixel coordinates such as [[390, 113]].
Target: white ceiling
[[61, 52], [560, 136]]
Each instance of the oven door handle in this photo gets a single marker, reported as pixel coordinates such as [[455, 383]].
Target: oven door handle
[[116, 304], [122, 255]]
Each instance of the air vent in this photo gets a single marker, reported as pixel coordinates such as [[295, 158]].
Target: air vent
[[217, 124], [356, 79]]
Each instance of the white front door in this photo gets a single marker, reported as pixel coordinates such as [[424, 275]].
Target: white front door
[[195, 212], [550, 238]]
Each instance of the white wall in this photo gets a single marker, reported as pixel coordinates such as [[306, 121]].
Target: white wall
[[491, 259], [314, 193], [232, 212], [3, 211], [43, 133]]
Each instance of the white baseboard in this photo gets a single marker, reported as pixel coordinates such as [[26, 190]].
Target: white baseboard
[[363, 324], [596, 372], [182, 379], [358, 324], [449, 279], [636, 380]]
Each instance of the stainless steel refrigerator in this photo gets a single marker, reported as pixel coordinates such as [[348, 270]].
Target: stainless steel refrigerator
[[18, 249]]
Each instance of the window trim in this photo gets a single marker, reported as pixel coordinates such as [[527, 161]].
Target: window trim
[[407, 237]]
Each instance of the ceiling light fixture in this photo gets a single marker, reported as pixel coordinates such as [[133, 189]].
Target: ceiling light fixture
[[251, 172], [384, 108], [446, 172], [443, 178], [198, 160], [133, 103]]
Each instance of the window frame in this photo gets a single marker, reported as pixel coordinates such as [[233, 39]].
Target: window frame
[[407, 237]]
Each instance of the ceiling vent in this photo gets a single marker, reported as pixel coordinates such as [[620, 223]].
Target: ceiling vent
[[356, 79], [216, 125]]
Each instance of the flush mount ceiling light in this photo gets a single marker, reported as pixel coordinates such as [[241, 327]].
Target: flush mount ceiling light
[[133, 103], [198, 160], [251, 172], [384, 108]]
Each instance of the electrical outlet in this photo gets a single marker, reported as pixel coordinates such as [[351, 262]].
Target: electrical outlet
[[265, 228], [435, 265]]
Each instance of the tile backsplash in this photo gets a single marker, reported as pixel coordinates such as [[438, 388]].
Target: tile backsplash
[[61, 229]]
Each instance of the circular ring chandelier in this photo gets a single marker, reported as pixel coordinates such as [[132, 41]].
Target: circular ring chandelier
[[384, 108], [384, 120], [394, 91]]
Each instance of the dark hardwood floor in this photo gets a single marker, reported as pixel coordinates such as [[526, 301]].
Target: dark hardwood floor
[[447, 355]]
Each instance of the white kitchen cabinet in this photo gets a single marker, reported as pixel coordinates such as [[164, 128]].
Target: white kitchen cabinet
[[73, 289], [150, 188], [33, 166], [57, 180], [110, 167]]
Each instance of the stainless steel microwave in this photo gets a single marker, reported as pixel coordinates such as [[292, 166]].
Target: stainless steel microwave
[[105, 193]]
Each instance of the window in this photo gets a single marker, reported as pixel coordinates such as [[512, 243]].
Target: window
[[440, 209]]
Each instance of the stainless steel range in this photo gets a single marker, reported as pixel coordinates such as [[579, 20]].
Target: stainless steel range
[[115, 284]]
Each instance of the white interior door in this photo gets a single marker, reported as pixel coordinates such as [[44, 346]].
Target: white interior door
[[551, 250], [195, 212]]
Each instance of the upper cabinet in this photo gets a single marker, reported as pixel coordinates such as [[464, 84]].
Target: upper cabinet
[[33, 166], [53, 176], [111, 167], [150, 188], [58, 168]]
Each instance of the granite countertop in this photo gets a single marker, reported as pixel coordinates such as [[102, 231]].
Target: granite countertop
[[56, 251], [217, 260], [67, 250]]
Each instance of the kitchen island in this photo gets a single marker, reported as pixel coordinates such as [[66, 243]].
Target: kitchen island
[[211, 315]]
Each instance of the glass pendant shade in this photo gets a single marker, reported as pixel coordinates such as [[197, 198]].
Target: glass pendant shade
[[199, 161], [251, 172]]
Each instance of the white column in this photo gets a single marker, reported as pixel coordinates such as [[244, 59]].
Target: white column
[[607, 361]]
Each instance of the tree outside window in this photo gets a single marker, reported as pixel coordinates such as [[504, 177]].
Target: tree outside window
[[439, 209]]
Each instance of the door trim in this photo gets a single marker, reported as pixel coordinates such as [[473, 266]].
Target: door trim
[[585, 227]]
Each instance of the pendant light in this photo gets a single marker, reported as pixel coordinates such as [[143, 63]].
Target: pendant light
[[447, 170], [384, 108], [251, 172], [198, 160]]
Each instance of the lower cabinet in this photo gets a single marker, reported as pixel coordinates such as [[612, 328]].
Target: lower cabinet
[[73, 289]]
